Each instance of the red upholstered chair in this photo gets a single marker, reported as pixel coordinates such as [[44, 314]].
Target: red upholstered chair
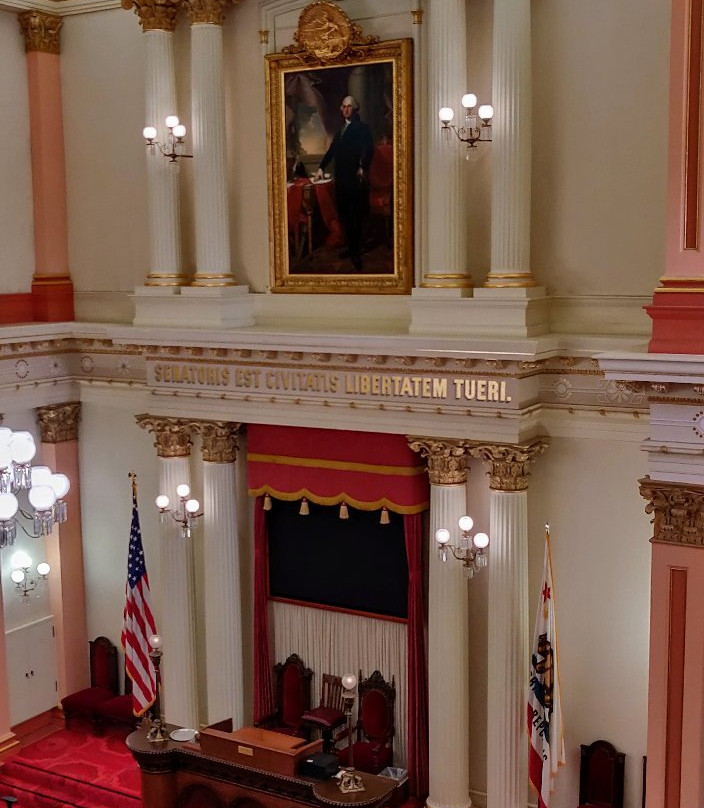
[[328, 715], [117, 710], [372, 750], [103, 683], [601, 774], [292, 698]]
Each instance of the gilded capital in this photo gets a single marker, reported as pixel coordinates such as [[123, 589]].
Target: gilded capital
[[173, 435], [509, 466], [206, 11], [219, 441], [59, 422], [40, 31], [677, 510], [446, 459], [155, 15]]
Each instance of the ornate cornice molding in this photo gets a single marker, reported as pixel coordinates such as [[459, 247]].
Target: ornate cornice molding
[[219, 441], [41, 31], [59, 422], [509, 465], [446, 459], [677, 509], [155, 15], [211, 12], [173, 435]]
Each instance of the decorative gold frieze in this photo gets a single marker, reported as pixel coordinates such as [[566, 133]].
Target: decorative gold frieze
[[446, 459], [677, 509], [59, 422], [173, 435], [40, 31], [219, 441], [509, 465], [211, 12], [155, 15], [326, 34]]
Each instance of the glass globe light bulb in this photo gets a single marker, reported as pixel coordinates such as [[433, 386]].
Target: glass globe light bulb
[[349, 681], [469, 100], [466, 523], [183, 490], [8, 506], [481, 540], [41, 497], [5, 435], [43, 568], [60, 484], [446, 114], [40, 475], [149, 132], [442, 536], [156, 641], [171, 121], [162, 502], [22, 447], [17, 576], [180, 130], [486, 112], [5, 456], [20, 560], [192, 506]]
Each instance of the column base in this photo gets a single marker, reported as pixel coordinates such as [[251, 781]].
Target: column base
[[52, 299], [194, 307], [509, 312], [678, 321]]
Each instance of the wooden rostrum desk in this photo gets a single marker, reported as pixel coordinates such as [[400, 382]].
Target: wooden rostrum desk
[[209, 773]]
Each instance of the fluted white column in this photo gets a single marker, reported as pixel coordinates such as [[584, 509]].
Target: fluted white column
[[445, 254], [511, 148], [448, 662], [223, 618], [211, 208], [176, 593], [507, 739], [158, 20]]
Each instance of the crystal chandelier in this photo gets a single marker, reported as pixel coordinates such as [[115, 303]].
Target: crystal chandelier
[[44, 490], [466, 548]]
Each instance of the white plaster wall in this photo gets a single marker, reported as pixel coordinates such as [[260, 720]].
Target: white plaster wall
[[16, 217]]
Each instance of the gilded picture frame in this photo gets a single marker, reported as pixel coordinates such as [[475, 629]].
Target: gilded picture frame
[[340, 159]]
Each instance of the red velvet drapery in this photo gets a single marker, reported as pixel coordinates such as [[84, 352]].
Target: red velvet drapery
[[263, 689]]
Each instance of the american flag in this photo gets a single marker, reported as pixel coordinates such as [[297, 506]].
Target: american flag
[[138, 622]]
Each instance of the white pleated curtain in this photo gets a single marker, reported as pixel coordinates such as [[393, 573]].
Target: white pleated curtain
[[338, 643]]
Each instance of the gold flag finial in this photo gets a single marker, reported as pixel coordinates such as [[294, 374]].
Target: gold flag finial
[[133, 476]]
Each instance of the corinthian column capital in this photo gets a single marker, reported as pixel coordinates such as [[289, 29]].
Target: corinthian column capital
[[173, 435], [219, 441], [206, 11], [509, 465], [155, 15], [446, 459], [59, 422], [40, 31], [677, 509]]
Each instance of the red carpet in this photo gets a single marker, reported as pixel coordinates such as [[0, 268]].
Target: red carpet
[[73, 768]]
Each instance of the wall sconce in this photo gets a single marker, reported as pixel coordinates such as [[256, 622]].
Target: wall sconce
[[187, 512], [349, 780], [467, 548], [472, 132], [26, 583], [45, 491], [174, 146]]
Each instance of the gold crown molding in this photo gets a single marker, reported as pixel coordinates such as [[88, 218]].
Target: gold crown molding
[[41, 31], [207, 12], [509, 465], [173, 435], [59, 422], [677, 509], [155, 15], [219, 441], [446, 459]]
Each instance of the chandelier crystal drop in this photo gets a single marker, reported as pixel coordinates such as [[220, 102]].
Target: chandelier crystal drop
[[44, 490]]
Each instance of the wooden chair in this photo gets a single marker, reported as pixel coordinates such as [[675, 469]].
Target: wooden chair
[[103, 683], [292, 683], [372, 750], [601, 776], [328, 715]]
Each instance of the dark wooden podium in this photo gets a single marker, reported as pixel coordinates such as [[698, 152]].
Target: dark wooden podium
[[182, 775]]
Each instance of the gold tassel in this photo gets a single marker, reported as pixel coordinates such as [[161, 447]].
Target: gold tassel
[[304, 510], [384, 519], [267, 502], [344, 513]]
